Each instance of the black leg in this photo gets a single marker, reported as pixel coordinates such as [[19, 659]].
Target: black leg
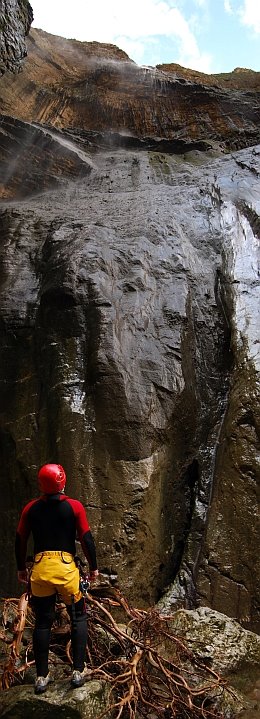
[[78, 618], [44, 608]]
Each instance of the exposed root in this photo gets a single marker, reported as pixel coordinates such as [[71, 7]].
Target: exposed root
[[150, 671]]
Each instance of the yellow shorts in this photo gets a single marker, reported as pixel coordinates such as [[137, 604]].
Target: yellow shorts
[[55, 572]]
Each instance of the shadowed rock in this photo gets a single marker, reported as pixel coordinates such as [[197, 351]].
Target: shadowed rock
[[34, 159], [16, 17], [60, 700]]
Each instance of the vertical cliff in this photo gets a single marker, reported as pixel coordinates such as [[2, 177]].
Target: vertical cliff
[[129, 316], [129, 355]]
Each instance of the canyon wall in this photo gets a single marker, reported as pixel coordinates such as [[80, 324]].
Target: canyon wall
[[129, 298]]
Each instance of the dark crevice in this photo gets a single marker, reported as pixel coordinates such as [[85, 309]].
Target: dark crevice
[[223, 304], [247, 419], [58, 298], [244, 166], [252, 217], [189, 482], [98, 139]]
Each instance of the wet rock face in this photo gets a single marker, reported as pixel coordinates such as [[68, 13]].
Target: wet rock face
[[96, 87], [129, 293], [47, 164], [16, 17], [129, 353]]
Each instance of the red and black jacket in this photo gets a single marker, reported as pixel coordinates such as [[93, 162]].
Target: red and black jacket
[[55, 522]]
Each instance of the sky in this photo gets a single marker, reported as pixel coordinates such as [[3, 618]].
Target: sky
[[208, 35]]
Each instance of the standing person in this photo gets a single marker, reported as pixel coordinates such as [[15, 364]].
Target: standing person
[[54, 521]]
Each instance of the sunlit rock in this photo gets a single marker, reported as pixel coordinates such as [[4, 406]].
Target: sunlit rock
[[95, 86]]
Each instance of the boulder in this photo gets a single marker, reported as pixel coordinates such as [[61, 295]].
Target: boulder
[[226, 648], [60, 701], [217, 640]]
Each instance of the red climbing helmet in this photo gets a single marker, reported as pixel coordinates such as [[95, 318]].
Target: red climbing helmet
[[51, 478]]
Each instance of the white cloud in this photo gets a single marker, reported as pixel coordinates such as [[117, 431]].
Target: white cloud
[[130, 24], [133, 48], [250, 14], [227, 7], [201, 3]]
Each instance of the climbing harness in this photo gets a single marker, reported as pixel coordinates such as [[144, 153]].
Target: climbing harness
[[84, 582]]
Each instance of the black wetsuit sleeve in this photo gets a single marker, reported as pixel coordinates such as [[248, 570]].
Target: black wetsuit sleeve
[[21, 539], [84, 533], [89, 549]]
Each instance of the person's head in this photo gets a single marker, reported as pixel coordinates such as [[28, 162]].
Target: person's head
[[51, 478]]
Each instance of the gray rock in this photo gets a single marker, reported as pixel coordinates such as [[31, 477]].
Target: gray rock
[[59, 701], [130, 353], [16, 17], [226, 648], [217, 640]]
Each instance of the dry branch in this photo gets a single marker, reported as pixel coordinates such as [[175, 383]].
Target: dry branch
[[149, 670]]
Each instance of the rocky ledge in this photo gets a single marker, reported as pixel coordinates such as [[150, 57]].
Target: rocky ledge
[[94, 86], [217, 657]]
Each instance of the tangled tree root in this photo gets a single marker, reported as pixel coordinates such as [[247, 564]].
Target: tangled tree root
[[149, 670]]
